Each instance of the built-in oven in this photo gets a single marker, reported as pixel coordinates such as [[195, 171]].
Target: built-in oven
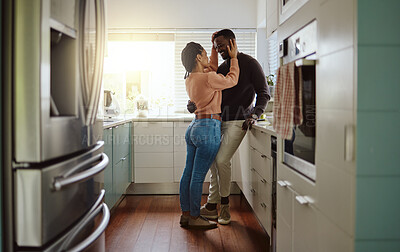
[[301, 47]]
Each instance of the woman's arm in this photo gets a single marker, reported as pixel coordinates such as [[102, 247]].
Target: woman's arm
[[220, 82]]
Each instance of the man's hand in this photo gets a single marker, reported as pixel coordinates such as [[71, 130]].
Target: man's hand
[[191, 106], [248, 123]]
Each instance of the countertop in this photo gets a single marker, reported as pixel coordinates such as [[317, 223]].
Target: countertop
[[264, 126], [108, 123]]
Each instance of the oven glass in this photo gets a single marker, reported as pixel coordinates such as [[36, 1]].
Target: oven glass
[[302, 144]]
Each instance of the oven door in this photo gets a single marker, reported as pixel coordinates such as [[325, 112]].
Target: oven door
[[299, 152]]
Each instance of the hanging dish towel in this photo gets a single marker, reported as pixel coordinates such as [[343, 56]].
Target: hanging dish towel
[[287, 101]]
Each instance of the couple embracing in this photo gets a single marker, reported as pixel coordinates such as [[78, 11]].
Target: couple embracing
[[222, 98]]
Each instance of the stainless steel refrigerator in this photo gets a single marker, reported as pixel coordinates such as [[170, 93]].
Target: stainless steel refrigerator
[[57, 159]]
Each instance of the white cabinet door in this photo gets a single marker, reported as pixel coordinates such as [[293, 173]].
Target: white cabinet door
[[304, 226]]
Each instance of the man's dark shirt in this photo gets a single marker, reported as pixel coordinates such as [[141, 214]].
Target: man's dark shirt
[[237, 102]]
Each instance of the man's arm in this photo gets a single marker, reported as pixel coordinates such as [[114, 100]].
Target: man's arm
[[261, 89], [262, 94]]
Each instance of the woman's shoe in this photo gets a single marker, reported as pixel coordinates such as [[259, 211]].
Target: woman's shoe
[[201, 223], [184, 221]]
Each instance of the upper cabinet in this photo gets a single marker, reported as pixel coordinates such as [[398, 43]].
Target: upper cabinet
[[272, 16]]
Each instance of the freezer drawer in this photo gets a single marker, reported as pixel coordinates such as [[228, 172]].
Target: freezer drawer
[[51, 199]]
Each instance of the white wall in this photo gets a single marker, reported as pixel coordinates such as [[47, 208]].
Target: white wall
[[182, 14]]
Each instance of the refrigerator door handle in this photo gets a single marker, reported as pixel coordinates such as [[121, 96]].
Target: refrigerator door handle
[[60, 182], [95, 234]]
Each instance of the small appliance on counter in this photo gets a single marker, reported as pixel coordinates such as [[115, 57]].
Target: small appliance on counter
[[111, 105], [142, 106]]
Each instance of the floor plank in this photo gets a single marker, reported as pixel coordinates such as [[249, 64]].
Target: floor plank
[[151, 223]]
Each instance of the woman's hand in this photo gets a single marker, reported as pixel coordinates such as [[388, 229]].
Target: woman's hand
[[232, 49]]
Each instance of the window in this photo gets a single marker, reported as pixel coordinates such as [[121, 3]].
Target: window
[[149, 64]]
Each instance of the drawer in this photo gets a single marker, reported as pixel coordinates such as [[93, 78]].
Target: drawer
[[121, 178], [263, 213], [261, 141], [153, 175], [264, 192], [262, 164], [154, 160], [121, 142], [153, 143], [153, 129]]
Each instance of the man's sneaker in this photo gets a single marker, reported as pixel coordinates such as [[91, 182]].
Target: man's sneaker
[[201, 223], [209, 214], [224, 215], [184, 221]]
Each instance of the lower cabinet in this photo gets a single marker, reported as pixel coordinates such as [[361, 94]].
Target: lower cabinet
[[252, 167], [117, 173]]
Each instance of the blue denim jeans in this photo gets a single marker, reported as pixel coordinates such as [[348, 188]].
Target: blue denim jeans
[[203, 138]]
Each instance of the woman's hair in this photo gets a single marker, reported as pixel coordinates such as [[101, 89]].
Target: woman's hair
[[188, 56], [226, 33]]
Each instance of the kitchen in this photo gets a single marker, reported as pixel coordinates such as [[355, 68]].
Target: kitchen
[[351, 204]]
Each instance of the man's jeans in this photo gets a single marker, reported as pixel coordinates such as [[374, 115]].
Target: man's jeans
[[203, 138]]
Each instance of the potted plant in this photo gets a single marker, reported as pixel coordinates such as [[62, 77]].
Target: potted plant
[[271, 84]]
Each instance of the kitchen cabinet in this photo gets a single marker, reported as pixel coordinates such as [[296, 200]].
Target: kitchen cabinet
[[153, 152], [252, 169], [261, 176], [272, 16], [117, 173]]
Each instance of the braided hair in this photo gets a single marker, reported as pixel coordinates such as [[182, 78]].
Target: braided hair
[[188, 56]]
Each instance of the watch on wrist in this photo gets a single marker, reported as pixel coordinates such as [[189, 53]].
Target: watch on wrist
[[254, 116]]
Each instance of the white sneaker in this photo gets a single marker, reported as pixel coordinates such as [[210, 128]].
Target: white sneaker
[[224, 216]]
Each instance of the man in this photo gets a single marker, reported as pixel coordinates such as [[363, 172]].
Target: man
[[238, 115]]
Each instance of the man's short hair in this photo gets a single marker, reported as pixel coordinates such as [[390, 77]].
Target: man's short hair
[[226, 33]]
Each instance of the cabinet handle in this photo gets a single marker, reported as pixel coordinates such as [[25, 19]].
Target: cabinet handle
[[264, 181], [123, 159], [349, 143], [263, 205], [252, 169], [302, 200], [282, 183], [263, 156], [252, 190]]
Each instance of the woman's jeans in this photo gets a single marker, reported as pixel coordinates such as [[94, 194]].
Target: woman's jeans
[[203, 138]]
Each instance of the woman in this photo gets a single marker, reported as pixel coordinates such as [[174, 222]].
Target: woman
[[203, 135]]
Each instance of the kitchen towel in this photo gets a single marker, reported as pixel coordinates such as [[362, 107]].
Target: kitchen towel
[[287, 100]]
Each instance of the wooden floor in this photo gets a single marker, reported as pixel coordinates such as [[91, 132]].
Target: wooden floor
[[151, 223]]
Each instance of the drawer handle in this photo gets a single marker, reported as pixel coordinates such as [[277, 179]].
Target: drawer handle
[[252, 190], [282, 183], [302, 200], [263, 205], [264, 181], [263, 156]]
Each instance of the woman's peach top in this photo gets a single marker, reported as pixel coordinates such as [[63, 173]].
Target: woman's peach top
[[204, 89]]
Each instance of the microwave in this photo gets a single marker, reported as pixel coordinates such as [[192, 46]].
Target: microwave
[[288, 7]]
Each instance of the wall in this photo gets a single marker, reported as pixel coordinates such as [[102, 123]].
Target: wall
[[181, 14], [378, 124]]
